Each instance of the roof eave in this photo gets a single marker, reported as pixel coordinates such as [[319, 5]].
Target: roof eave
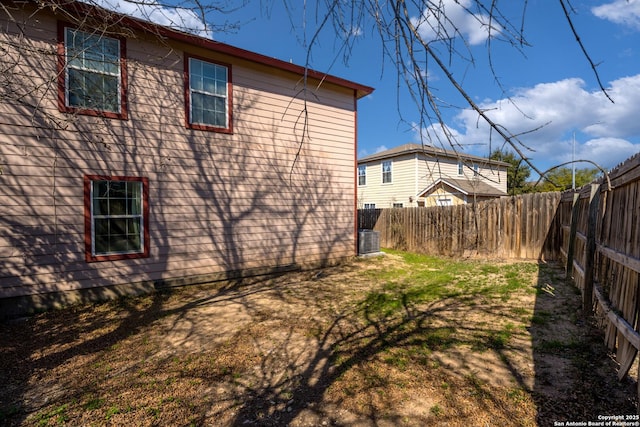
[[434, 152]]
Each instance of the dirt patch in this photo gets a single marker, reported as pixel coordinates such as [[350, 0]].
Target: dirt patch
[[385, 341]]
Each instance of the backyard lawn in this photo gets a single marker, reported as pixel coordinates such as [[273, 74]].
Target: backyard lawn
[[402, 339]]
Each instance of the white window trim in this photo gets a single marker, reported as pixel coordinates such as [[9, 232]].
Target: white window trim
[[390, 172], [141, 217], [364, 175], [204, 92]]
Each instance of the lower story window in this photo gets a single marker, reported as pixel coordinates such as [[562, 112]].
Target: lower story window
[[116, 217], [369, 205]]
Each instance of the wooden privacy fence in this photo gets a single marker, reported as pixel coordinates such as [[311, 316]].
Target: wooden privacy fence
[[600, 241], [512, 227]]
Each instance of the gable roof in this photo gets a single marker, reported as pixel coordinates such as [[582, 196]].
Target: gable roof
[[466, 187], [78, 9], [427, 150]]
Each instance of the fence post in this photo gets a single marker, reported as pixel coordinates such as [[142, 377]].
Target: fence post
[[572, 236], [594, 203]]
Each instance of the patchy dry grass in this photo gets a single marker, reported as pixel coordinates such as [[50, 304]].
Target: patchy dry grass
[[400, 340]]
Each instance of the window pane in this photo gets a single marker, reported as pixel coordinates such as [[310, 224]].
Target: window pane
[[117, 206], [209, 85], [100, 206], [197, 101], [134, 198], [219, 104], [101, 235], [118, 243], [133, 243], [117, 188], [195, 82], [208, 69], [100, 188], [133, 226], [208, 117]]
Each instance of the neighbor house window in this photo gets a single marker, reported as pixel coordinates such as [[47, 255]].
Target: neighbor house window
[[386, 171], [116, 217], [92, 77], [460, 167], [475, 170], [208, 95], [369, 205], [397, 205], [362, 175]]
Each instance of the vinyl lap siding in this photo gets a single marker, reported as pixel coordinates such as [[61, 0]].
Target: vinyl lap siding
[[218, 202]]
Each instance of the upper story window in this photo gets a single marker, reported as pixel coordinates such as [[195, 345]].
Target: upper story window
[[475, 169], [92, 77], [460, 167], [362, 175], [386, 171], [116, 217], [208, 95]]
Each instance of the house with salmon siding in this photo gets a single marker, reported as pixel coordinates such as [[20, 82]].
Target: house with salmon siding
[[134, 156]]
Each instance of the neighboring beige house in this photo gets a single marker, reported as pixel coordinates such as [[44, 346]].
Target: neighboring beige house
[[134, 156], [414, 175]]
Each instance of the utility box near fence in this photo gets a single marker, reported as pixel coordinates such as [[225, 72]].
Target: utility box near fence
[[368, 242]]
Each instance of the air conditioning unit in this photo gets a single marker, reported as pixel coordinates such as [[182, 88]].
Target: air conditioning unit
[[368, 242]]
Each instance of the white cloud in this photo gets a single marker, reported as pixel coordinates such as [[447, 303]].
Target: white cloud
[[625, 12], [176, 18], [363, 152], [355, 31], [380, 149], [452, 18], [607, 152], [607, 133]]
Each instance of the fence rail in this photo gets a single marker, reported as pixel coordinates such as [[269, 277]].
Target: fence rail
[[595, 231]]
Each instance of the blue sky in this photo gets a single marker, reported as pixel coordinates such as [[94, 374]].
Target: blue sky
[[548, 85]]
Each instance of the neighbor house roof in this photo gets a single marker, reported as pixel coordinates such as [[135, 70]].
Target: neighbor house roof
[[78, 9], [465, 186], [428, 150]]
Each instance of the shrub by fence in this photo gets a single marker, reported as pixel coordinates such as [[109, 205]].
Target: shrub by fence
[[513, 227]]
